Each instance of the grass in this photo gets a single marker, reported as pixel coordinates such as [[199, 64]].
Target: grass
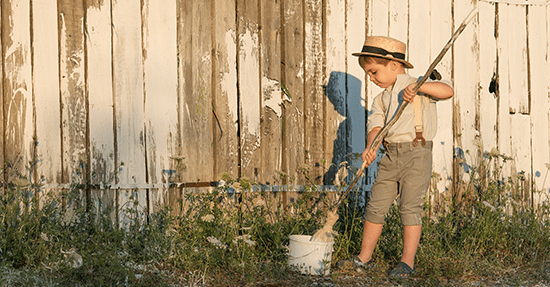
[[233, 236]]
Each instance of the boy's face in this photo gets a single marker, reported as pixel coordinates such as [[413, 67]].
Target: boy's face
[[380, 75]]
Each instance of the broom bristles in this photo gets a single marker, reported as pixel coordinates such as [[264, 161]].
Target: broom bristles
[[325, 234]]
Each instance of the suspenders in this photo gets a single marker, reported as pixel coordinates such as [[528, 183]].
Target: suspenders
[[418, 123]]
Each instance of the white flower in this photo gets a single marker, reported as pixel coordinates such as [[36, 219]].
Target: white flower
[[208, 218], [216, 242]]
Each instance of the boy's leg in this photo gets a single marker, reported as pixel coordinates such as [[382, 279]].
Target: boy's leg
[[371, 233], [411, 238]]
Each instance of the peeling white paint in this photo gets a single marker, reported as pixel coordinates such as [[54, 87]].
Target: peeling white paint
[[300, 74], [271, 90], [250, 82], [229, 79]]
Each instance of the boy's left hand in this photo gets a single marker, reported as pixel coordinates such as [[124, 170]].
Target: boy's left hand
[[408, 93]]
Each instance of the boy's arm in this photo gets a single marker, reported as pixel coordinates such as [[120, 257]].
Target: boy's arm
[[436, 90], [367, 156]]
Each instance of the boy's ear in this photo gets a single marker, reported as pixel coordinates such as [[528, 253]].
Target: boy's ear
[[395, 65]]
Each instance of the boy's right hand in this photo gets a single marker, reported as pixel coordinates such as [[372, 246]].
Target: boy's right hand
[[368, 156]]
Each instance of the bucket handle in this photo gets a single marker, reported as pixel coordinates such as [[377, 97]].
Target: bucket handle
[[316, 249]]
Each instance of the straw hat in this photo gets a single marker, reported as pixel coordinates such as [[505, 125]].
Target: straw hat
[[385, 47]]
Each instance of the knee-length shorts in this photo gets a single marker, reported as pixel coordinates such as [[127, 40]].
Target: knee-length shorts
[[405, 172]]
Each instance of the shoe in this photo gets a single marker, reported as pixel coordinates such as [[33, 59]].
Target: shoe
[[402, 271], [355, 262]]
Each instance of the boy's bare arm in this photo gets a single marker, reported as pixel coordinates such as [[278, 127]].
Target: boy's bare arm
[[435, 89], [367, 156]]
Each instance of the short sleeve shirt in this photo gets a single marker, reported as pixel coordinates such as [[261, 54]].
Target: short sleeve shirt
[[388, 101]]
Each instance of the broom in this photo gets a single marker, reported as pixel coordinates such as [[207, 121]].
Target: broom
[[325, 234]]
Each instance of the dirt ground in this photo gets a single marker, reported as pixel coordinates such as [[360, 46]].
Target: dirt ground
[[360, 278]]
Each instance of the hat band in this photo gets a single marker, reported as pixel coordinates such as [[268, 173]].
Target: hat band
[[382, 52]]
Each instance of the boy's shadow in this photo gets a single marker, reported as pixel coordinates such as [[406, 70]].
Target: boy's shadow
[[343, 90]]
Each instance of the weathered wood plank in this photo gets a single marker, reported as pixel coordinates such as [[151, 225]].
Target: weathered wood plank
[[100, 91], [419, 35], [46, 91], [504, 129], [161, 94], [3, 176], [314, 98], [271, 94], [538, 87], [197, 119], [355, 80], [487, 70], [466, 82], [378, 25], [129, 109], [74, 109], [517, 45], [249, 88], [335, 142], [17, 85], [398, 24], [226, 141], [521, 144], [293, 80], [100, 98], [441, 29]]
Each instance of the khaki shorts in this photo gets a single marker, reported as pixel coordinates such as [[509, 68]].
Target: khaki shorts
[[404, 172]]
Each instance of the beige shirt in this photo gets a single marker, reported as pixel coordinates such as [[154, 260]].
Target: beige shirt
[[388, 101]]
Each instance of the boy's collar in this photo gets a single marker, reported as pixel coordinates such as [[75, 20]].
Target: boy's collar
[[400, 78]]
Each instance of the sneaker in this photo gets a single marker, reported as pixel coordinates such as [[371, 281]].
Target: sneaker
[[402, 271], [355, 262]]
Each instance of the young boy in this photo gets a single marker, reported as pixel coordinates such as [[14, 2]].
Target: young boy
[[406, 168]]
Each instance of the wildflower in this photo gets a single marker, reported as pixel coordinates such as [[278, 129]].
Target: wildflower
[[216, 242], [245, 239], [208, 218]]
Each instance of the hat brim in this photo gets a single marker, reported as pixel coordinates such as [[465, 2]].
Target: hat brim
[[406, 64]]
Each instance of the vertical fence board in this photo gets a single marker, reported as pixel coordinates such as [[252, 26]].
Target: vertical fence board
[[99, 83], [293, 104], [74, 106], [196, 115], [487, 69], [538, 83], [2, 92], [441, 29], [335, 90], [314, 98], [128, 93], [249, 88], [504, 129], [17, 84], [466, 69], [161, 94], [46, 91], [517, 45], [378, 23], [521, 144], [355, 81], [419, 34], [226, 142], [271, 129], [398, 24]]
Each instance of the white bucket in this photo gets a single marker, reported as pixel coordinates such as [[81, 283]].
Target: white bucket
[[310, 257]]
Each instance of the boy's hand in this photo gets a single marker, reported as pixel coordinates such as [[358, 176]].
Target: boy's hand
[[368, 157], [408, 93]]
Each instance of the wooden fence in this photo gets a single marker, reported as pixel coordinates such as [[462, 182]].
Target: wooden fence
[[128, 97]]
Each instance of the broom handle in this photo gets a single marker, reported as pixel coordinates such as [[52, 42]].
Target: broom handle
[[384, 131]]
